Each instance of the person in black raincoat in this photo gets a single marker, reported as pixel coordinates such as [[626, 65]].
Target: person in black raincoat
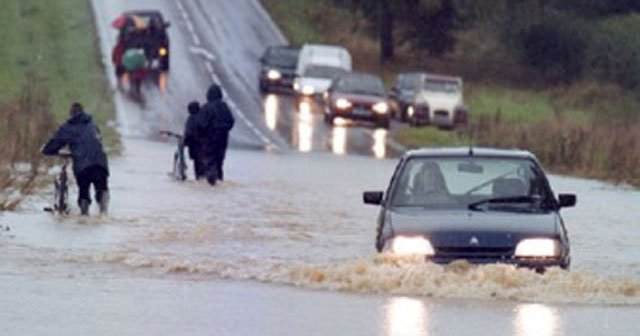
[[192, 141], [213, 125], [90, 164]]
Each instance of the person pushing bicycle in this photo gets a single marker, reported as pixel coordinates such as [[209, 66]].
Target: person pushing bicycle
[[90, 164]]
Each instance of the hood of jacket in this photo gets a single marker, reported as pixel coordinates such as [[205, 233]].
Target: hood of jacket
[[80, 118], [214, 93]]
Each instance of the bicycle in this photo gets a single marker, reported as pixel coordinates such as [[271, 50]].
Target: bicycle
[[61, 188], [179, 169]]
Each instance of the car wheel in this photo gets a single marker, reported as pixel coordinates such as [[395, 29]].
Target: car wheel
[[264, 88], [328, 119]]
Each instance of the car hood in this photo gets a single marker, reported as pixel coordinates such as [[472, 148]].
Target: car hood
[[439, 101], [453, 228], [366, 99], [318, 84]]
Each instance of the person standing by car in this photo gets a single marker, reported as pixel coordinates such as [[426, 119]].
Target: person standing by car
[[214, 123], [90, 164], [192, 140]]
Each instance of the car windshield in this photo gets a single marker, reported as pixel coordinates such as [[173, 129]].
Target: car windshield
[[472, 182], [441, 85], [284, 57], [361, 84], [409, 81], [322, 71]]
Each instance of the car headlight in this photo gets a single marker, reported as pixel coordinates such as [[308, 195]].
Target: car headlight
[[411, 111], [343, 103], [538, 247], [381, 107], [308, 90], [163, 51], [274, 74], [412, 245]]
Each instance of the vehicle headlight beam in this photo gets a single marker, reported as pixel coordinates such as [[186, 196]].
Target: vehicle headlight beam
[[537, 248], [416, 245]]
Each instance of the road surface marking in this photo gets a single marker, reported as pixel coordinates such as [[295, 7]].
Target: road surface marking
[[210, 59]]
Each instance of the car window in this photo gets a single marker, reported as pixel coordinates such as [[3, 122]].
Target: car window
[[410, 81], [322, 71], [285, 57], [359, 84], [441, 85], [452, 182]]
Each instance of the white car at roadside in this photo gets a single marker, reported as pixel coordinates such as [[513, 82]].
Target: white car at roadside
[[439, 102]]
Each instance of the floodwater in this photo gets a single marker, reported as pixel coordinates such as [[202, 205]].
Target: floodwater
[[285, 246]]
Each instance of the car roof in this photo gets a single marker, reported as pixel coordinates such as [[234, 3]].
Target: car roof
[[153, 13], [475, 151], [363, 75], [442, 77]]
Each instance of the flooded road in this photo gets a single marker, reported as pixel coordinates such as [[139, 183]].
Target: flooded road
[[285, 245]]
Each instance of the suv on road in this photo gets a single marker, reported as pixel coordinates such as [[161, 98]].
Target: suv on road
[[278, 68]]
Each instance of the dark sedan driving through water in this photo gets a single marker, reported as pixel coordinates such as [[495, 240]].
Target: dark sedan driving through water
[[478, 204]]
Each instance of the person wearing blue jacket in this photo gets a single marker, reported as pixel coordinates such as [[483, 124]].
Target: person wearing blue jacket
[[90, 165], [213, 124]]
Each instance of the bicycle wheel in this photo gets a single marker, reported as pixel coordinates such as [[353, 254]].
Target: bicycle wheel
[[179, 172]]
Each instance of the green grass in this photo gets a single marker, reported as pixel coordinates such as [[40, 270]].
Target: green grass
[[414, 137], [56, 42], [295, 19]]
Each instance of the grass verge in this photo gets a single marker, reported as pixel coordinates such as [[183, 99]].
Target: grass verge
[[49, 58]]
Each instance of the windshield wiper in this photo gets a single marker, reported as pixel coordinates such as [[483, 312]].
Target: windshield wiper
[[511, 199]]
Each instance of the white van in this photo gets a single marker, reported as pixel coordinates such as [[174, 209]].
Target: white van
[[319, 55]]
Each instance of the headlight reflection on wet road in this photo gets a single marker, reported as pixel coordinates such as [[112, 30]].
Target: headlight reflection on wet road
[[406, 316], [339, 140], [536, 319], [380, 143], [305, 127], [271, 107]]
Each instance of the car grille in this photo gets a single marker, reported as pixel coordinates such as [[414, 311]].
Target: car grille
[[441, 113], [470, 253]]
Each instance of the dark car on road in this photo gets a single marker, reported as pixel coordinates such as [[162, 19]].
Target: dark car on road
[[357, 96], [146, 29], [482, 205], [278, 68], [403, 92]]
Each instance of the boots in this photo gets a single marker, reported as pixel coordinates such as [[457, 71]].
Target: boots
[[103, 202], [84, 207]]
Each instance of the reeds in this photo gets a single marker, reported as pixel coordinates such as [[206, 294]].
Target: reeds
[[24, 127], [605, 151]]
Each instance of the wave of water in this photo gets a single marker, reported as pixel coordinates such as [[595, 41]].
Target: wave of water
[[406, 276]]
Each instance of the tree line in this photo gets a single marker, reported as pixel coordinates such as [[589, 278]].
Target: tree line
[[564, 40]]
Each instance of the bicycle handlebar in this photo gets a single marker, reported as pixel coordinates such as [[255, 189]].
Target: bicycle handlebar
[[171, 134]]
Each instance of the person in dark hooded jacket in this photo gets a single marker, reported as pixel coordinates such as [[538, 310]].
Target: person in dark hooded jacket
[[192, 141], [90, 164], [213, 125]]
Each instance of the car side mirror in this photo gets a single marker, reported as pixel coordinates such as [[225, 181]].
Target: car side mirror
[[567, 200], [372, 197], [167, 24]]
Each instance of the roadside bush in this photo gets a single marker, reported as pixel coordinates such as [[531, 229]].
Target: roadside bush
[[556, 46], [24, 126], [614, 52], [609, 152]]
